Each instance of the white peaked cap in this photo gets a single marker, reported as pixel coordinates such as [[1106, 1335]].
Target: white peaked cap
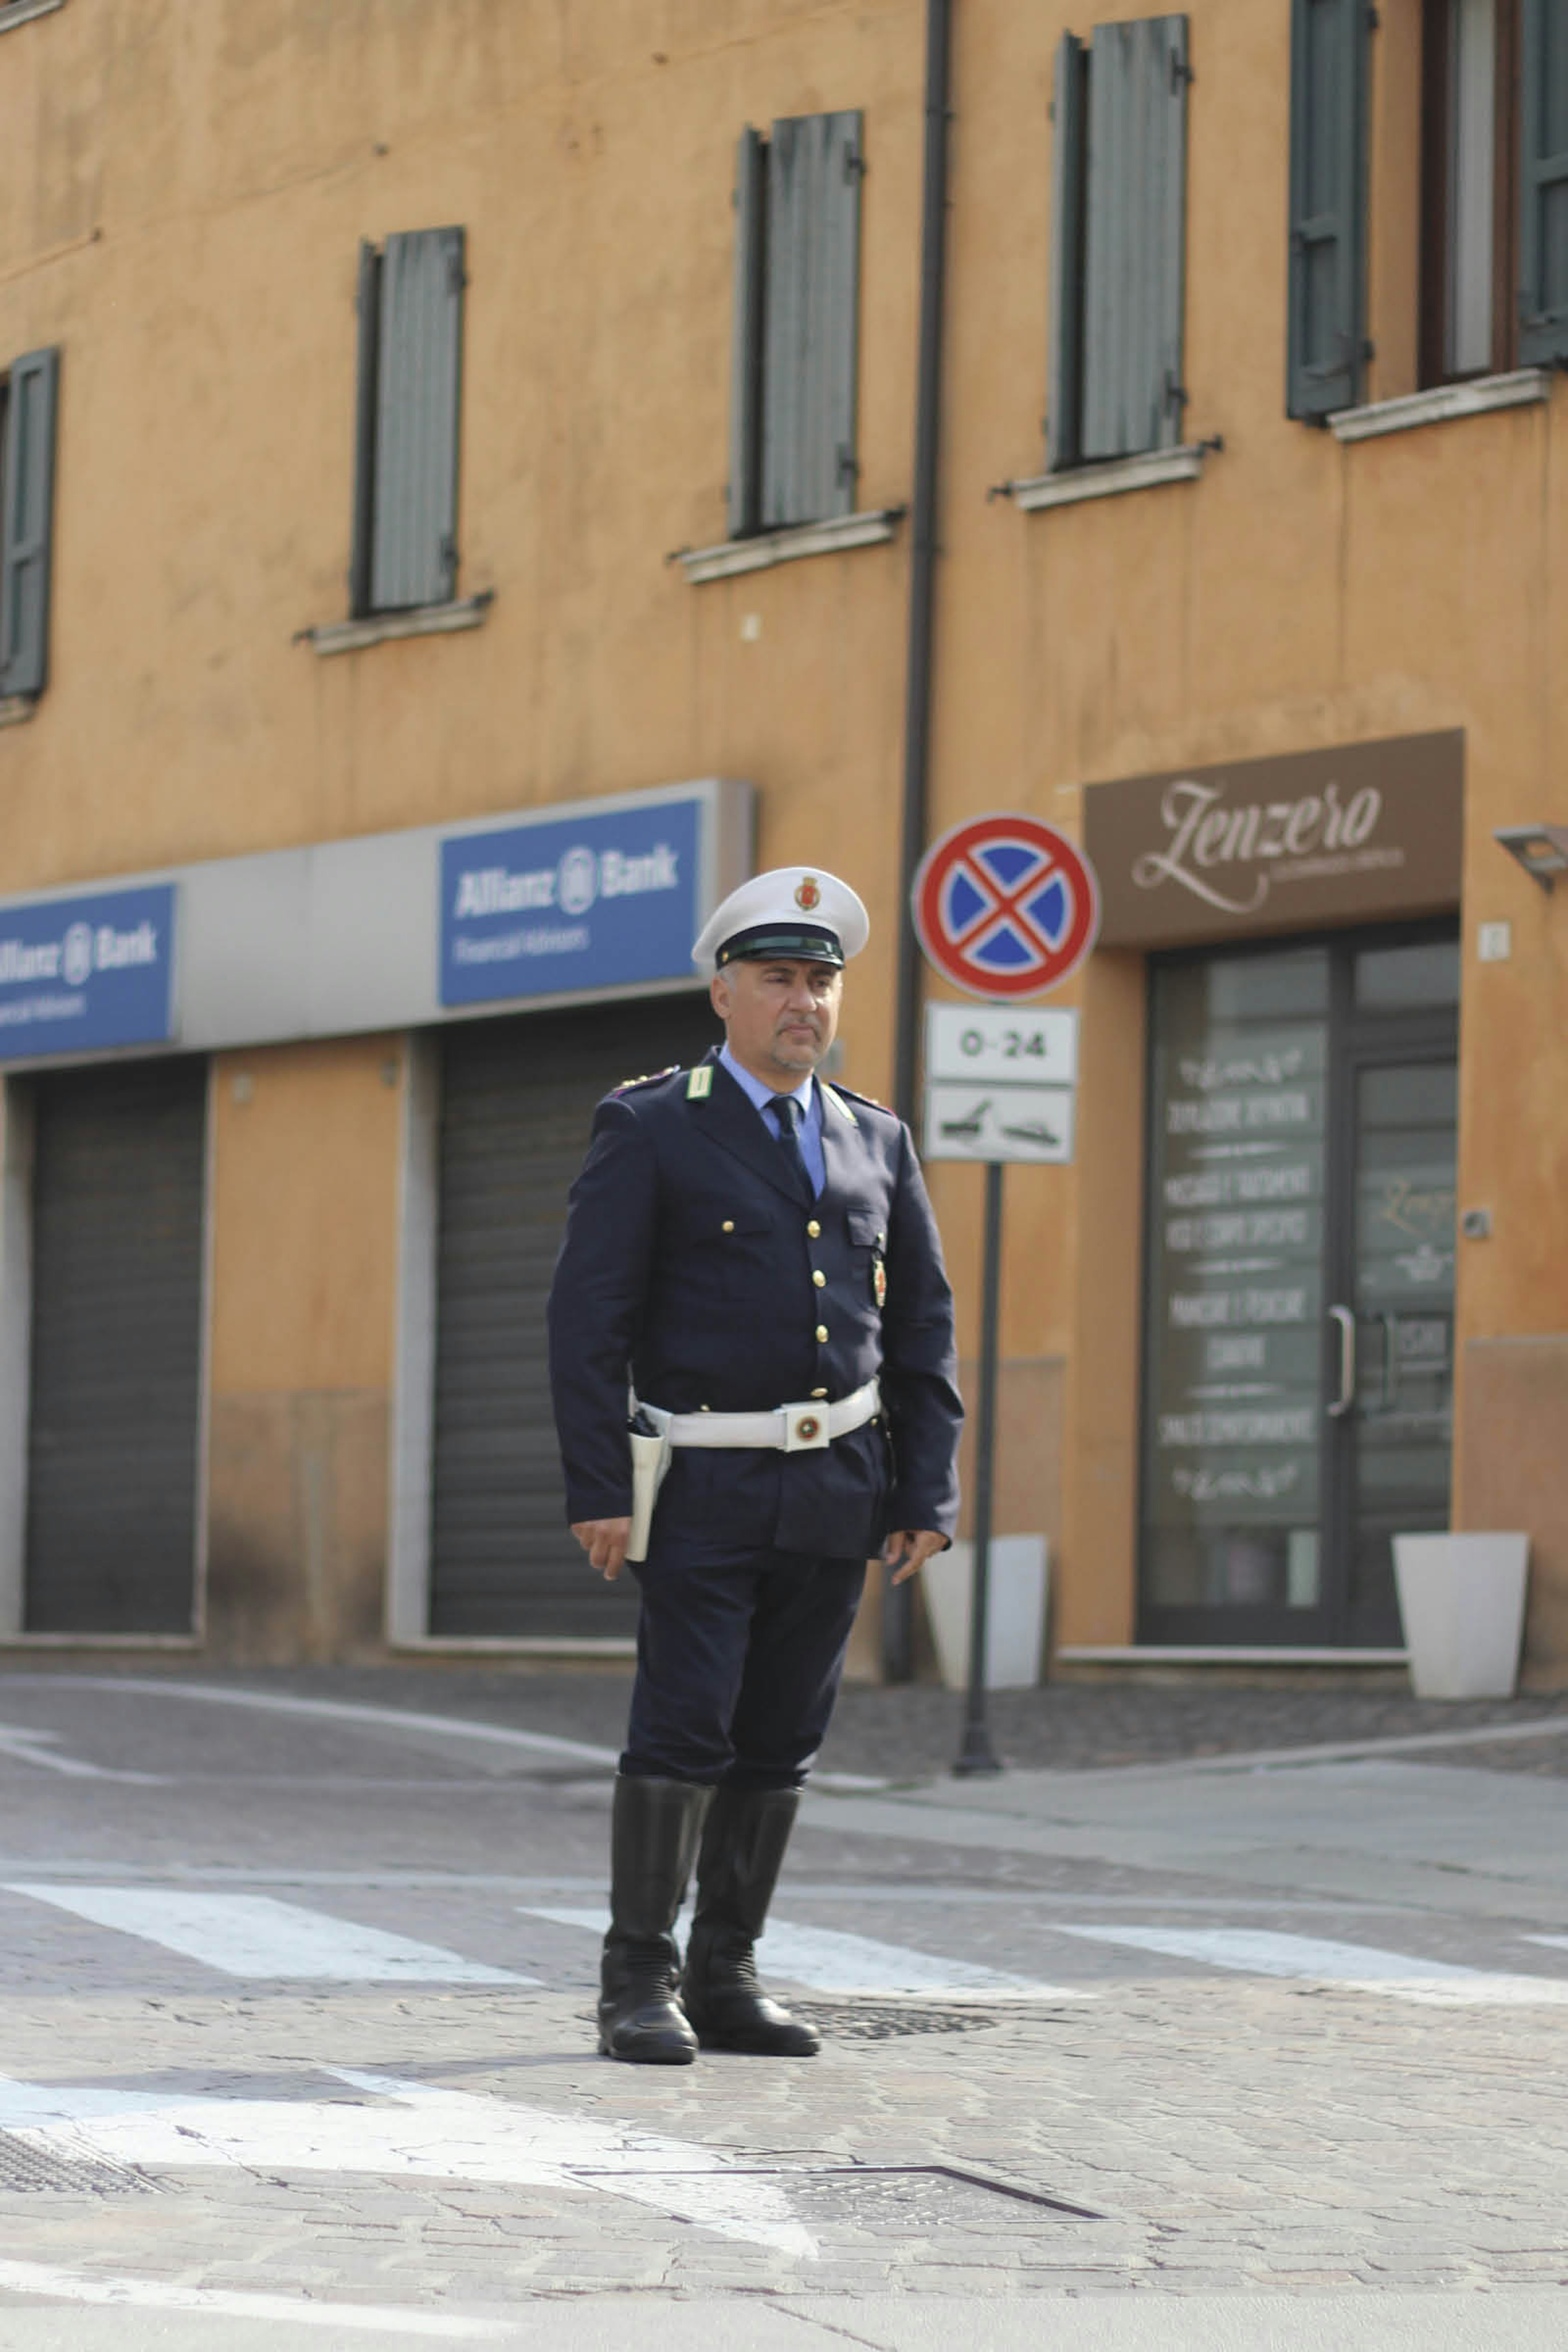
[[797, 911]]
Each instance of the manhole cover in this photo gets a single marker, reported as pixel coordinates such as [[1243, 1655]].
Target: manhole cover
[[898, 2200], [30, 2170], [864, 2020]]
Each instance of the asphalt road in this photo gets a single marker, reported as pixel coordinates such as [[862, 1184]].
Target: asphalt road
[[1255, 2047]]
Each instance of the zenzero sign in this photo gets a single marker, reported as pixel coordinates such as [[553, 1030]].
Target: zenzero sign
[[1005, 907]]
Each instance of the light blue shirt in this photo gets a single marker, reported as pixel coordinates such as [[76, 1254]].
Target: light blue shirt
[[809, 1132]]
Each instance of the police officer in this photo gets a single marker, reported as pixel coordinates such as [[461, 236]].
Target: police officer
[[751, 1250]]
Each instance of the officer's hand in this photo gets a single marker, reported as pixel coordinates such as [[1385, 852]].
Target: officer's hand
[[908, 1550], [605, 1541]]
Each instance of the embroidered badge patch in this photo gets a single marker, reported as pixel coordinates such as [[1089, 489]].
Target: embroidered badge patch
[[878, 1282], [807, 895]]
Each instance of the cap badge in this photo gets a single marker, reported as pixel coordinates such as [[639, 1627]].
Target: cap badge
[[807, 895]]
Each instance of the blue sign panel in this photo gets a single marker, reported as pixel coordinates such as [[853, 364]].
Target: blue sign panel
[[77, 974], [582, 902]]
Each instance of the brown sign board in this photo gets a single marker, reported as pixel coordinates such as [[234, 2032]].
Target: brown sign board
[[1309, 840]]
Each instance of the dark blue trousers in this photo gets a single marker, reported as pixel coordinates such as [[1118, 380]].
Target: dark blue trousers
[[739, 1653]]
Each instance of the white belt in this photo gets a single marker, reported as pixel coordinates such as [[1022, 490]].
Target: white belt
[[790, 1428]]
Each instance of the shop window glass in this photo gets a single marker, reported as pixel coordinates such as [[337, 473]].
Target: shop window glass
[[1407, 979], [1234, 1290]]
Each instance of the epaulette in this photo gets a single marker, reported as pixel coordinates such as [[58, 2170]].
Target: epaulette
[[838, 1090], [651, 1079]]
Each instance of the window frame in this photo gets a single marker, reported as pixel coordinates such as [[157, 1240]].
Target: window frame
[[20, 496], [1434, 282], [1106, 231], [447, 248], [771, 402]]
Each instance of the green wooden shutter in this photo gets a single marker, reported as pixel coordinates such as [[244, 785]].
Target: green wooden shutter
[[1133, 237], [1544, 185], [26, 521], [745, 491], [368, 308], [1070, 139], [1325, 352], [810, 330], [413, 554]]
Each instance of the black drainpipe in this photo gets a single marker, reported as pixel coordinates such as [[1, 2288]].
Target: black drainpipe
[[898, 1616]]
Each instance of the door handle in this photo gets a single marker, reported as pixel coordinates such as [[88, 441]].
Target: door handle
[[1345, 1320]]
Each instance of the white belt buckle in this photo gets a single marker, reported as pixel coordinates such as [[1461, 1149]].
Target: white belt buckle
[[805, 1427]]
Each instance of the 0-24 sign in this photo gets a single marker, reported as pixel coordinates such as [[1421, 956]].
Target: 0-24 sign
[[1000, 1084]]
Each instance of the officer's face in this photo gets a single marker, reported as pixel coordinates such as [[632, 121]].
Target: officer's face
[[779, 1018]]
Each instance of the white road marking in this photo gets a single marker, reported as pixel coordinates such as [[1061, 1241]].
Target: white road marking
[[329, 1710], [424, 2134], [824, 1960], [394, 1719], [257, 1936], [1260, 1951], [42, 1749], [159, 2295]]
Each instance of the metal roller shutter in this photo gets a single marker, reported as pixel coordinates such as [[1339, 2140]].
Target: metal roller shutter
[[114, 1421], [518, 1098]]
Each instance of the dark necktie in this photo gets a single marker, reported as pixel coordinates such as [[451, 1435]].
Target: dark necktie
[[786, 1110]]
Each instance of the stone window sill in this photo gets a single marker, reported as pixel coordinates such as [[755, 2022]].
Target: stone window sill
[[16, 708], [737, 555], [377, 628], [1440, 406], [21, 11], [1111, 480]]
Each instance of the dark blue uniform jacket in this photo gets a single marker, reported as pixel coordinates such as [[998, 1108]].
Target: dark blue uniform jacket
[[698, 1266]]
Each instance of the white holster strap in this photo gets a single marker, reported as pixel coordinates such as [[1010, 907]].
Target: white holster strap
[[650, 1460], [788, 1429]]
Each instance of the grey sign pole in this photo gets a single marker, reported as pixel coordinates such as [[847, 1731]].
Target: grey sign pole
[[977, 1754]]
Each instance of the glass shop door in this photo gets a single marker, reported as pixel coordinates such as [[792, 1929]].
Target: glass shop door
[[1300, 1286]]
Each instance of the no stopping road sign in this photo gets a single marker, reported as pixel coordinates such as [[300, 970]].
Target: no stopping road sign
[[1004, 906]]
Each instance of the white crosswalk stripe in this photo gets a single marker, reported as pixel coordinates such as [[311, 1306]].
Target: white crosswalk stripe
[[1261, 1951], [411, 2131], [824, 1959], [257, 1936]]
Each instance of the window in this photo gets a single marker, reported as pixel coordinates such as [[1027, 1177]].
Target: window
[[28, 399], [1490, 245], [796, 319], [1118, 242], [1544, 182], [1469, 120], [405, 463], [1327, 336]]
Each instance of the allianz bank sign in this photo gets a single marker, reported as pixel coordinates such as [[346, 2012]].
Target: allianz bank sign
[[574, 903], [84, 973], [379, 931]]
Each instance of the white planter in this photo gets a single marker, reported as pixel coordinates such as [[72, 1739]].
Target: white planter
[[1462, 1600], [1015, 1620]]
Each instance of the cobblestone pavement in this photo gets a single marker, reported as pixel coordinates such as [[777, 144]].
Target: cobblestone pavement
[[1211, 2039]]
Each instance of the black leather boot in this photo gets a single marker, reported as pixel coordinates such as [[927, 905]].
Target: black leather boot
[[654, 1830], [743, 1850]]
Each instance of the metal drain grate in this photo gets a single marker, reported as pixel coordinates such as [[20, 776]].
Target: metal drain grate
[[865, 2020], [27, 2170]]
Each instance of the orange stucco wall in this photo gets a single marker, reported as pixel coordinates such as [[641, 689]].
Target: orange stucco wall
[[183, 185]]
